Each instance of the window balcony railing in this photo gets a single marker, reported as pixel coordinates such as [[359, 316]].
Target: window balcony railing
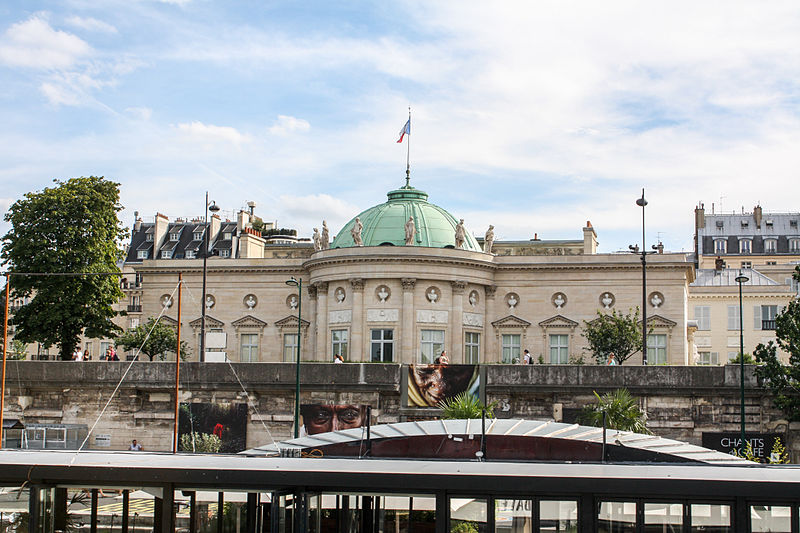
[[768, 324], [134, 308]]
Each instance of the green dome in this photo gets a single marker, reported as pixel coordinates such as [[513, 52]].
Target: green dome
[[384, 224]]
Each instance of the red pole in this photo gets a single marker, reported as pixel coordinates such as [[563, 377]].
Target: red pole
[[177, 367], [5, 346]]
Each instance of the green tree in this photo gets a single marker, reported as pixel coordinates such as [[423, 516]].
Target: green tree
[[465, 405], [619, 334], [70, 229], [622, 412], [154, 337], [783, 380]]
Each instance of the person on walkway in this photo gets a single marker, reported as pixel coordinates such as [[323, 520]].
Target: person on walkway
[[135, 446]]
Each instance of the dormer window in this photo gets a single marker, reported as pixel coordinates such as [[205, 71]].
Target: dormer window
[[794, 245], [720, 246], [770, 246], [191, 254], [149, 237], [745, 246], [224, 253], [745, 223], [166, 254], [174, 237], [769, 222], [793, 223], [198, 235], [719, 224], [227, 236], [141, 254]]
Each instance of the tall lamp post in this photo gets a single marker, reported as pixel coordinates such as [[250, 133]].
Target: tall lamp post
[[741, 278], [299, 284], [206, 237], [635, 249]]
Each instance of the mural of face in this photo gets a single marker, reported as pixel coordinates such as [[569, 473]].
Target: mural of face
[[320, 418]]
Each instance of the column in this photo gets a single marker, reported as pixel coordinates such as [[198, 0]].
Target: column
[[357, 322], [457, 322], [490, 350], [322, 321], [407, 338], [311, 350]]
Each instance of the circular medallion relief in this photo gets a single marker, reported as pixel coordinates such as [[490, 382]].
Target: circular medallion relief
[[339, 294], [512, 300], [291, 302], [383, 293], [559, 300], [607, 300], [250, 301], [210, 301], [474, 298], [166, 300], [433, 294], [656, 299]]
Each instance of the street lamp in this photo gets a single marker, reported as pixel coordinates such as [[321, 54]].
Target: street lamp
[[213, 208], [741, 278], [641, 202], [299, 284]]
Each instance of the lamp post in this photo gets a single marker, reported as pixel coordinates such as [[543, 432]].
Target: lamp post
[[299, 284], [206, 237], [741, 278], [635, 249]]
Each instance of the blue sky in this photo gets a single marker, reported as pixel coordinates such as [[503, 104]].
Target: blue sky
[[532, 116]]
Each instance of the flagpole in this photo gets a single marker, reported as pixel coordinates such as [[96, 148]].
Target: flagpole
[[408, 151]]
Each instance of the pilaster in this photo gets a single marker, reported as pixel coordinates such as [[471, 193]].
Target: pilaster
[[322, 321], [456, 345], [407, 335], [357, 322]]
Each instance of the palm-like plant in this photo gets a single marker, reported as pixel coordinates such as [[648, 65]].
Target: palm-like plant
[[465, 405], [621, 409]]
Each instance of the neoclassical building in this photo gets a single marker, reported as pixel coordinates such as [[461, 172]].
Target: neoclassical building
[[385, 291]]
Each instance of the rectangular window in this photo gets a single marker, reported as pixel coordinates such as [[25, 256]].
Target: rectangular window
[[794, 245], [339, 343], [472, 348], [770, 245], [770, 518], [732, 356], [745, 246], [166, 254], [656, 349], [617, 517], [711, 517], [290, 347], [720, 246], [768, 314], [511, 345], [174, 237], [249, 348], [707, 358], [141, 254], [224, 253], [149, 237], [226, 236], [659, 517], [197, 235], [733, 318], [702, 313], [382, 345], [747, 264], [191, 254], [559, 349], [555, 515], [431, 345]]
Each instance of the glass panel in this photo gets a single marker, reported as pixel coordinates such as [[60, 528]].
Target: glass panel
[[771, 518], [616, 517], [557, 515], [663, 517], [711, 517], [14, 509], [511, 345], [513, 516], [468, 515]]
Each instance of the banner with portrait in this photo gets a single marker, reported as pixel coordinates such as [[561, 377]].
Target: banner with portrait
[[212, 428], [322, 418], [428, 385]]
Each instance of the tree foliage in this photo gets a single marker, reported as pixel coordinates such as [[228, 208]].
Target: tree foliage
[[465, 405], [619, 334], [622, 412], [71, 228], [783, 380], [200, 443], [155, 338]]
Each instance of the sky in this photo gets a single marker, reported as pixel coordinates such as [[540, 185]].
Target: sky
[[533, 116]]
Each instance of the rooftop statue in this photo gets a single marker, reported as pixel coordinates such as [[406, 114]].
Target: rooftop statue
[[411, 231], [461, 234], [356, 232]]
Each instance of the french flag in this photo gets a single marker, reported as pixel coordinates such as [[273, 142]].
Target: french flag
[[405, 131]]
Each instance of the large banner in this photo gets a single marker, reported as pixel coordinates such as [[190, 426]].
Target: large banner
[[321, 418], [430, 384], [761, 443], [212, 428]]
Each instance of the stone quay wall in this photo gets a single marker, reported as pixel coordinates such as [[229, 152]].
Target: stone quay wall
[[682, 402]]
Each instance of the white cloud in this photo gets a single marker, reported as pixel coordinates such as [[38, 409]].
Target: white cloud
[[91, 24], [139, 113], [309, 211], [210, 133], [286, 125], [35, 44]]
